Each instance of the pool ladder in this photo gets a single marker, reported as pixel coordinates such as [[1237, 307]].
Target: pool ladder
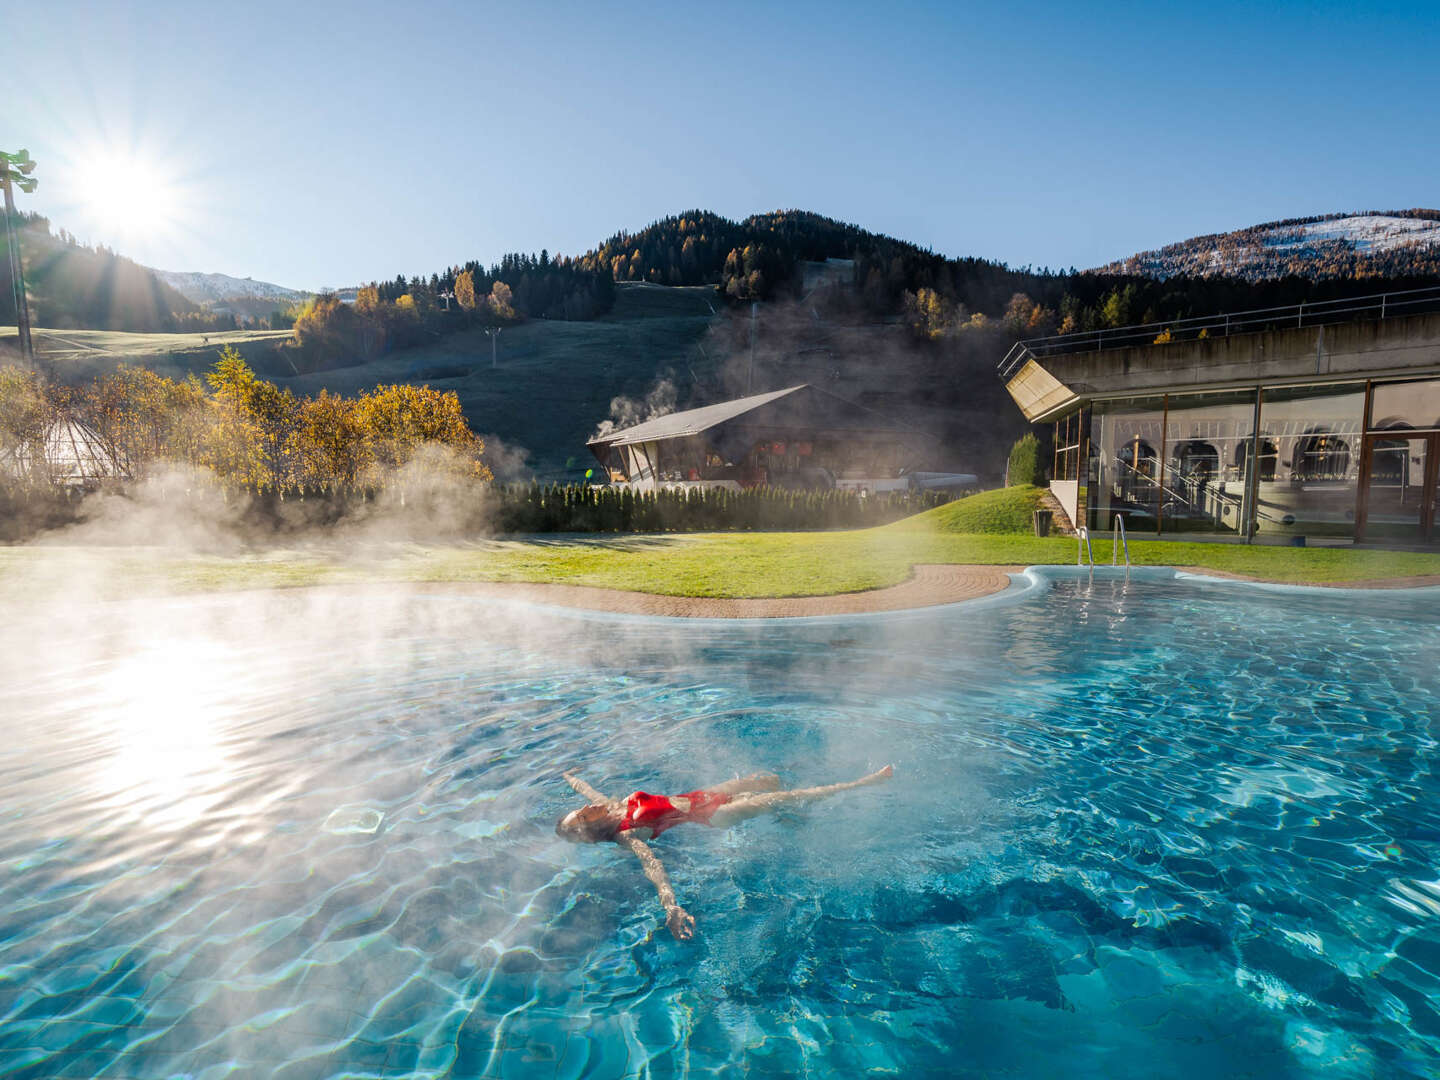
[[1118, 542]]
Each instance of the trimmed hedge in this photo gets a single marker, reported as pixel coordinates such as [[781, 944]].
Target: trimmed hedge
[[580, 508], [485, 509]]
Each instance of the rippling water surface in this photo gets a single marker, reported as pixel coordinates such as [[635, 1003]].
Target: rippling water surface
[[1156, 828]]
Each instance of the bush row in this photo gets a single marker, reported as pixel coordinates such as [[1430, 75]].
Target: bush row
[[579, 508], [461, 509]]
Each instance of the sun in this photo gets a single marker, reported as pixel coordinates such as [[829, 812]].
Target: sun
[[133, 191], [125, 194]]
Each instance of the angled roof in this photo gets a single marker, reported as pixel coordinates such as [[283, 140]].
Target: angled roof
[[691, 421]]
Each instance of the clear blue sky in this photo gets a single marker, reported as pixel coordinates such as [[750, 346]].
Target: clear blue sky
[[315, 144]]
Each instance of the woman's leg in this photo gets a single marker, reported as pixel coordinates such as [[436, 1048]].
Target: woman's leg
[[747, 785], [754, 805]]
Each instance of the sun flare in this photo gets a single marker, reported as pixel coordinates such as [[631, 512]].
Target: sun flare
[[123, 193]]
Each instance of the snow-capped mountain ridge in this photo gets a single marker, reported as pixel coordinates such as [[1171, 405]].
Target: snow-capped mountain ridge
[[217, 288], [1388, 243]]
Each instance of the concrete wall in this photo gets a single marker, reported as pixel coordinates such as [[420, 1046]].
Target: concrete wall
[[1067, 494], [1360, 349]]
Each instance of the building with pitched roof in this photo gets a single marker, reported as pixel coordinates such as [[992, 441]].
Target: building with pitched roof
[[799, 437]]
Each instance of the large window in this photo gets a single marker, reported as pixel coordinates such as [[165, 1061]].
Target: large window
[[1067, 448], [1413, 405], [1208, 439], [1314, 481], [1400, 500], [1126, 441]]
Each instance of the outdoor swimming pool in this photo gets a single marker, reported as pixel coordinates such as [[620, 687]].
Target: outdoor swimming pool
[[1155, 828]]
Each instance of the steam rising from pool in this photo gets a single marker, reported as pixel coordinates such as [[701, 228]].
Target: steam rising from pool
[[310, 833]]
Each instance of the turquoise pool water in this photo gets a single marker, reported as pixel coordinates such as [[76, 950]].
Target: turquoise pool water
[[1139, 829]]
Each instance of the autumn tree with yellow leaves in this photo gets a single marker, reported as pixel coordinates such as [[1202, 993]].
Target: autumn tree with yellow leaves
[[251, 434], [25, 414], [500, 301], [465, 290], [147, 417]]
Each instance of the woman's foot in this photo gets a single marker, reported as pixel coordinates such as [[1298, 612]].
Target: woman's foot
[[878, 777]]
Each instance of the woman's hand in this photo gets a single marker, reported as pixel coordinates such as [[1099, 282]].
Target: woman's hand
[[680, 922]]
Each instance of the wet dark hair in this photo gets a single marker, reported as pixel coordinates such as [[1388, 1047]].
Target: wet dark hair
[[592, 824]]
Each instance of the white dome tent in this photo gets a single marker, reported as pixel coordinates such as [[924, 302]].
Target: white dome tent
[[70, 454]]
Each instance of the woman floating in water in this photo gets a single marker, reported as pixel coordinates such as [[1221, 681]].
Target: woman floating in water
[[631, 821]]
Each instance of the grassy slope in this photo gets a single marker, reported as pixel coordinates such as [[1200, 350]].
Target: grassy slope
[[1004, 510], [82, 353], [554, 379], [551, 388], [715, 564]]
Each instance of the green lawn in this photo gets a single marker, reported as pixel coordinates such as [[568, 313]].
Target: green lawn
[[715, 564], [1004, 510], [706, 564]]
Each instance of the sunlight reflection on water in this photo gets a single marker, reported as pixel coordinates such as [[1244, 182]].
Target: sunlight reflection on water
[[1162, 827]]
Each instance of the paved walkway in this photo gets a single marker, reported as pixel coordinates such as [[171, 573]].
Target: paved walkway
[[929, 586]]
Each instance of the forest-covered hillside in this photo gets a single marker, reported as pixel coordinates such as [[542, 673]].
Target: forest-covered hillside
[[877, 277], [871, 277], [1373, 244], [71, 285]]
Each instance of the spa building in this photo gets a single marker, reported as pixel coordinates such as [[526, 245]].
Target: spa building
[[1316, 422], [800, 437]]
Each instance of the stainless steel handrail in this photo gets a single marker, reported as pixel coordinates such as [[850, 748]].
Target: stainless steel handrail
[[1118, 537], [1082, 547], [1014, 359]]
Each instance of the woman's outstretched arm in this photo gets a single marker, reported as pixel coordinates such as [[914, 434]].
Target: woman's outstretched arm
[[585, 789], [680, 921]]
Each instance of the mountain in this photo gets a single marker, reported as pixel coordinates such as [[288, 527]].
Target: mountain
[[765, 256], [1391, 243], [73, 285], [213, 289]]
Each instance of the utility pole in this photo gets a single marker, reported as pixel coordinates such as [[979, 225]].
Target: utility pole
[[16, 169], [493, 332], [754, 312]]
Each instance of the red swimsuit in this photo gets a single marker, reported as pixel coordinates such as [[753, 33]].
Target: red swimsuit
[[657, 813]]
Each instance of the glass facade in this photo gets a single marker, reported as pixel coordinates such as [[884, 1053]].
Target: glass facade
[[1067, 447], [1316, 432], [1406, 405], [1398, 483], [1127, 440], [1291, 461], [1208, 439]]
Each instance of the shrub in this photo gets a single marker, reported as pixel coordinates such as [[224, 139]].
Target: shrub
[[1025, 463]]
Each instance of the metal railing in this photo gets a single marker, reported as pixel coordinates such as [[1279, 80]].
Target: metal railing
[[1082, 547], [1118, 538], [1309, 313], [1193, 495]]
